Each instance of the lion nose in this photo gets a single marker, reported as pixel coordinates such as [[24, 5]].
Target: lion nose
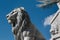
[[7, 16]]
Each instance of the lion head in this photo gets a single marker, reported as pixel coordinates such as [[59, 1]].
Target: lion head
[[16, 18], [12, 16]]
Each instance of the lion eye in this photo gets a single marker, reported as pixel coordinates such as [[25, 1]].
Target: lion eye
[[12, 12]]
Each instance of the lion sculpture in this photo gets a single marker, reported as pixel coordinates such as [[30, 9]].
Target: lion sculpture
[[22, 27]]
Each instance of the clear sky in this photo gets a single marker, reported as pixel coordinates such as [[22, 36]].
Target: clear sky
[[37, 16]]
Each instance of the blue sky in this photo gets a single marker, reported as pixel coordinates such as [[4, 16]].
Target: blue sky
[[37, 16]]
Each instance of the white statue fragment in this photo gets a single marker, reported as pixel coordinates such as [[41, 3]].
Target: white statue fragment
[[55, 23], [44, 3], [22, 27]]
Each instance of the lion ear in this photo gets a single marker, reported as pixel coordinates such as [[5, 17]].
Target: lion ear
[[22, 8]]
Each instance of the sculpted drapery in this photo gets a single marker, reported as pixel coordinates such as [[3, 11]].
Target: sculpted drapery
[[22, 27]]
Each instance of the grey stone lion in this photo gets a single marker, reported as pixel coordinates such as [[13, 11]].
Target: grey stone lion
[[22, 27]]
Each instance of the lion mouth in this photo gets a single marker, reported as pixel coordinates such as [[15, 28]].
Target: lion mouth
[[13, 23]]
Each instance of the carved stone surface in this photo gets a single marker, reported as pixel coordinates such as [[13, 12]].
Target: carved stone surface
[[46, 2], [55, 25], [22, 27]]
